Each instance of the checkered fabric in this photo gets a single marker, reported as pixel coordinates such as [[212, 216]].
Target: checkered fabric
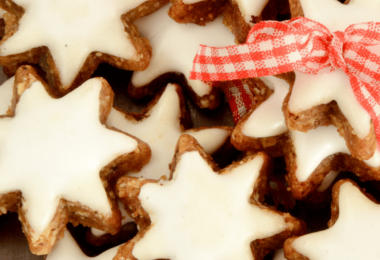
[[304, 45], [239, 97]]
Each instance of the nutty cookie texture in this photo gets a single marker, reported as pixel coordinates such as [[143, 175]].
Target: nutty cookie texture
[[196, 11], [59, 161], [68, 39], [215, 214]]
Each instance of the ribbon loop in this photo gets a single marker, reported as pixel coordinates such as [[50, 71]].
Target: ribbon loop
[[304, 45]]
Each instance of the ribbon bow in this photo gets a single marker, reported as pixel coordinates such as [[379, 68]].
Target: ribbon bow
[[304, 45]]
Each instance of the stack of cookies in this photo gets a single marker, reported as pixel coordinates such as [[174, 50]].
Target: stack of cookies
[[85, 157]]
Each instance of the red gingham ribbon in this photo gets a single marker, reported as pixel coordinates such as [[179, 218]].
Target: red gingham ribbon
[[304, 45], [238, 95]]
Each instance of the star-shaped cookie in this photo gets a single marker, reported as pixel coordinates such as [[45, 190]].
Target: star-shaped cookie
[[57, 158], [68, 39], [327, 98], [160, 125], [311, 156], [353, 233], [264, 127], [67, 248], [174, 46], [215, 214]]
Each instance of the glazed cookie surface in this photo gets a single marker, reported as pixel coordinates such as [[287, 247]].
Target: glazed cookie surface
[[353, 229], [57, 157], [68, 39], [160, 125], [174, 47], [311, 156], [214, 215], [264, 127], [327, 98]]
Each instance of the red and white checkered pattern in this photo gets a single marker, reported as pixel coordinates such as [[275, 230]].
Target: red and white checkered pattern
[[304, 45], [239, 96]]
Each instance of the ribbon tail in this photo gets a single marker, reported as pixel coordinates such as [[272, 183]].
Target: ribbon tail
[[244, 61], [239, 98], [271, 48], [368, 102]]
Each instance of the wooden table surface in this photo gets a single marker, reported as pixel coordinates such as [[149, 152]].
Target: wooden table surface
[[13, 244]]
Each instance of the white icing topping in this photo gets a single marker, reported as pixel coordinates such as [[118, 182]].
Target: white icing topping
[[67, 248], [211, 217], [55, 148], [329, 178], [249, 8], [314, 146], [125, 219], [211, 139], [312, 90], [354, 236], [317, 144], [72, 29], [161, 131], [6, 92], [337, 16], [279, 255], [268, 119], [175, 45]]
